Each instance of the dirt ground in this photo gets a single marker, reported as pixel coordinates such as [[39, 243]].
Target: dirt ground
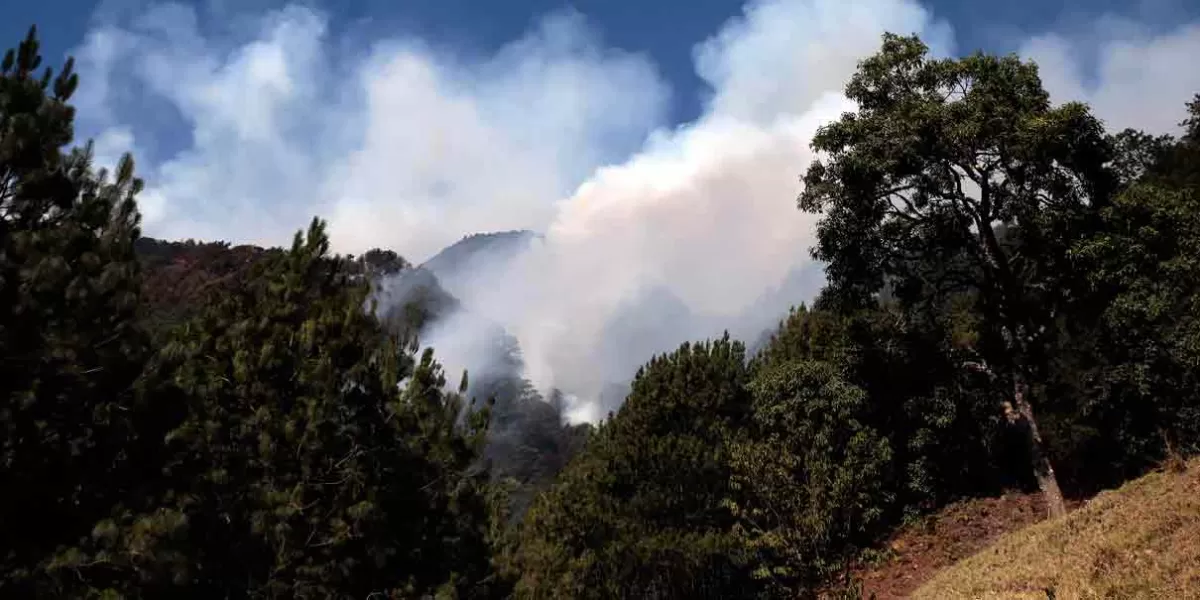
[[1138, 542], [919, 551]]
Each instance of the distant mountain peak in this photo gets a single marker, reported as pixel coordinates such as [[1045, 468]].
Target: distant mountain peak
[[475, 248]]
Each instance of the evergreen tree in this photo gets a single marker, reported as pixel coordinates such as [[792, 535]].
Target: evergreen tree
[[316, 459], [72, 430], [641, 512]]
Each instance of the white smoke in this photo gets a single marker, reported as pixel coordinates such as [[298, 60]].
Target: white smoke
[[247, 134], [699, 232], [694, 233], [1140, 78]]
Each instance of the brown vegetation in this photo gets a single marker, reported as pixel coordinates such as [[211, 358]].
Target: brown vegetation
[[1140, 541], [919, 551]]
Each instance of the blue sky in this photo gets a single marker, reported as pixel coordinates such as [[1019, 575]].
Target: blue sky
[[665, 30], [657, 145]]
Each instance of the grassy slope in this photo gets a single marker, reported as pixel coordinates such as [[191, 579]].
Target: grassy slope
[[918, 551], [1141, 541]]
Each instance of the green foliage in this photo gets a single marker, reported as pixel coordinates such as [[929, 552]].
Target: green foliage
[[1147, 261], [1123, 376], [71, 429], [640, 513], [301, 468], [938, 155], [859, 421], [938, 414], [277, 443], [958, 176], [1137, 154], [812, 476]]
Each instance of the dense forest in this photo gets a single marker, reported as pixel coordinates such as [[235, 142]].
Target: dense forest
[[1012, 302]]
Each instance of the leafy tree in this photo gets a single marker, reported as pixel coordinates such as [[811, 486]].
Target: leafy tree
[[1125, 362], [72, 430], [641, 512], [1180, 167], [379, 262], [1137, 154], [938, 417], [859, 420], [1145, 263], [316, 457], [942, 162], [812, 476]]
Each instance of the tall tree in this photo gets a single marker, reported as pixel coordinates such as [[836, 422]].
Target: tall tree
[[811, 476], [640, 512], [962, 163], [70, 427], [1145, 264]]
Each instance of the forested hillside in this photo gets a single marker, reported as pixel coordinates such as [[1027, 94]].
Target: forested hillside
[[1012, 302], [528, 441]]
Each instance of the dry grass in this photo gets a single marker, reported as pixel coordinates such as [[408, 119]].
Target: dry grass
[[1139, 542], [918, 551]]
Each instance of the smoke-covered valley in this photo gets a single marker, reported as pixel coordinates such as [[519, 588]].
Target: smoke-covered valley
[[695, 235], [475, 332], [645, 233]]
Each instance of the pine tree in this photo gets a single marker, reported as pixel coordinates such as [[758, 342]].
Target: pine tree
[[71, 429], [640, 512], [317, 458]]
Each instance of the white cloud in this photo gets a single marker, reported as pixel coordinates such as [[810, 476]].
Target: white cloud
[[781, 55], [411, 148], [687, 237]]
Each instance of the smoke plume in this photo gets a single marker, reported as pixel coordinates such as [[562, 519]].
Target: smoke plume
[[650, 234]]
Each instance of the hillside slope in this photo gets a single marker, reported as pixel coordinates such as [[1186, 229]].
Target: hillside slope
[[475, 255], [917, 552], [1140, 541]]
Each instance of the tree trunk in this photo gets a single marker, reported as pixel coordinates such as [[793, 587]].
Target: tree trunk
[[1042, 469]]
